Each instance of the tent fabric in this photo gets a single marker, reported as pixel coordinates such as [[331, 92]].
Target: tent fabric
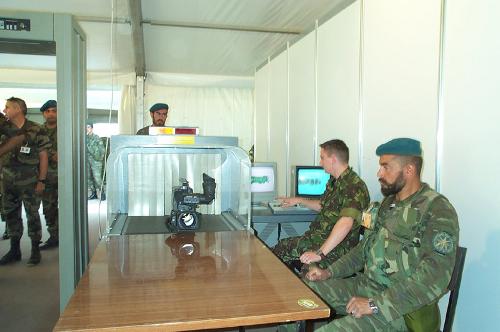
[[216, 111], [126, 113]]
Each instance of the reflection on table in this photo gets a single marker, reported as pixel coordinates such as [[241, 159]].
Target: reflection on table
[[187, 281]]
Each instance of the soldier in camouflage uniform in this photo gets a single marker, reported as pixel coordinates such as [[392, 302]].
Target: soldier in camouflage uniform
[[336, 228], [50, 194], [159, 113], [407, 255], [9, 142], [95, 157], [24, 176]]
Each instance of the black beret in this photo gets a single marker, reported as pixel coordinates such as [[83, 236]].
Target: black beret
[[48, 104], [158, 106], [401, 146]]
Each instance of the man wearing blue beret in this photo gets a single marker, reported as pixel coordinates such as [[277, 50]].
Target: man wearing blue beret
[[50, 195], [159, 113], [405, 261]]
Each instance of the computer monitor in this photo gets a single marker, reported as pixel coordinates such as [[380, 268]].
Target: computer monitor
[[310, 181], [263, 182]]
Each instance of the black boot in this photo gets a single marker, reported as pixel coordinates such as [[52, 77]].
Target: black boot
[[36, 257], [93, 195], [103, 196], [5, 235], [50, 243], [14, 253]]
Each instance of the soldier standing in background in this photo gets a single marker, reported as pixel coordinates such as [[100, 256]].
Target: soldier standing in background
[[50, 194], [159, 113], [405, 261], [95, 156], [9, 142], [24, 176]]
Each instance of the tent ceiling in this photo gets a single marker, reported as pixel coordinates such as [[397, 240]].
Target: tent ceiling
[[210, 37]]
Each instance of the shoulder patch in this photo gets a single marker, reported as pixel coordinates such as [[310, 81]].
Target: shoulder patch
[[443, 243]]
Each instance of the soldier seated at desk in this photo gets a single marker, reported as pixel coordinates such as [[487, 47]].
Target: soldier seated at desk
[[336, 227], [407, 254]]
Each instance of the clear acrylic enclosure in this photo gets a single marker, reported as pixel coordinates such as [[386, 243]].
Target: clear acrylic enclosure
[[144, 171]]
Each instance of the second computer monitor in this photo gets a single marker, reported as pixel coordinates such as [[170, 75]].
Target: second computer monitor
[[263, 182], [310, 181]]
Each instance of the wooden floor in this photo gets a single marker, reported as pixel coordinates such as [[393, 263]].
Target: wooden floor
[[29, 296]]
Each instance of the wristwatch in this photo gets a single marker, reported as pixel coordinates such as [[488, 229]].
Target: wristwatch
[[320, 254], [373, 306], [42, 181]]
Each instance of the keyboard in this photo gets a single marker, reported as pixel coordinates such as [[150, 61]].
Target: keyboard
[[276, 208]]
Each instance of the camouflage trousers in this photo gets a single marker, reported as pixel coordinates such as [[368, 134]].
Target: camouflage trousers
[[338, 292], [290, 249], [94, 175], [51, 208], [18, 191]]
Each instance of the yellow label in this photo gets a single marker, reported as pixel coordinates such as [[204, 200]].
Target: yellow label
[[367, 220], [306, 303], [181, 140]]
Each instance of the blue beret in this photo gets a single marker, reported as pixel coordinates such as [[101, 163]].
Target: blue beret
[[401, 146], [158, 106], [48, 104]]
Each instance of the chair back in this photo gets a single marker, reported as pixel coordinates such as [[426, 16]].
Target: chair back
[[454, 288]]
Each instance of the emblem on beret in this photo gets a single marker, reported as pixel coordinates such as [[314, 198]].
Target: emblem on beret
[[442, 243]]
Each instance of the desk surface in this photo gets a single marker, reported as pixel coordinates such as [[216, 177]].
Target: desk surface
[[186, 282], [263, 214]]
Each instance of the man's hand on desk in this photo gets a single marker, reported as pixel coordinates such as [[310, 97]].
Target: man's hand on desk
[[289, 201], [310, 257]]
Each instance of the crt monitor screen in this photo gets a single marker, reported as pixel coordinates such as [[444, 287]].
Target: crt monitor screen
[[263, 182], [310, 181]]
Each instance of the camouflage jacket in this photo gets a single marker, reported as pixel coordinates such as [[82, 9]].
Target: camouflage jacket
[[6, 127], [408, 250], [346, 196], [52, 134], [27, 156], [95, 147], [143, 131]]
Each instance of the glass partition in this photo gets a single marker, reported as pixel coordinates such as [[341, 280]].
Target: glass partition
[[144, 172]]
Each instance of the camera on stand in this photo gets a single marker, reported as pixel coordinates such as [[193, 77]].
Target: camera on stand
[[184, 203]]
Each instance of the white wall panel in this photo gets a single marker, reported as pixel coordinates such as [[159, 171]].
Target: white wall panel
[[400, 79], [470, 173], [261, 116], [302, 140], [338, 80], [278, 110]]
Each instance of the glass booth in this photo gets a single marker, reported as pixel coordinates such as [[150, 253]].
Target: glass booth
[[167, 184]]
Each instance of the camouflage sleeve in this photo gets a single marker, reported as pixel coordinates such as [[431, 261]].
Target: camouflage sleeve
[[354, 200], [6, 127], [429, 280], [348, 264], [42, 140]]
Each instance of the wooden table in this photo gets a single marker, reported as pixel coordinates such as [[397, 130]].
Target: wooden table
[[192, 281]]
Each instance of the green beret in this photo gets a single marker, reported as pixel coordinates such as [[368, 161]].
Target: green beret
[[90, 123], [401, 146], [158, 106], [48, 104]]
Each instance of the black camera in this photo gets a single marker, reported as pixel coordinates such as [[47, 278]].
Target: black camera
[[184, 203]]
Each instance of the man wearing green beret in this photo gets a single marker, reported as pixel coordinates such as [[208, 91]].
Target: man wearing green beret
[[405, 261], [50, 195], [159, 113]]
